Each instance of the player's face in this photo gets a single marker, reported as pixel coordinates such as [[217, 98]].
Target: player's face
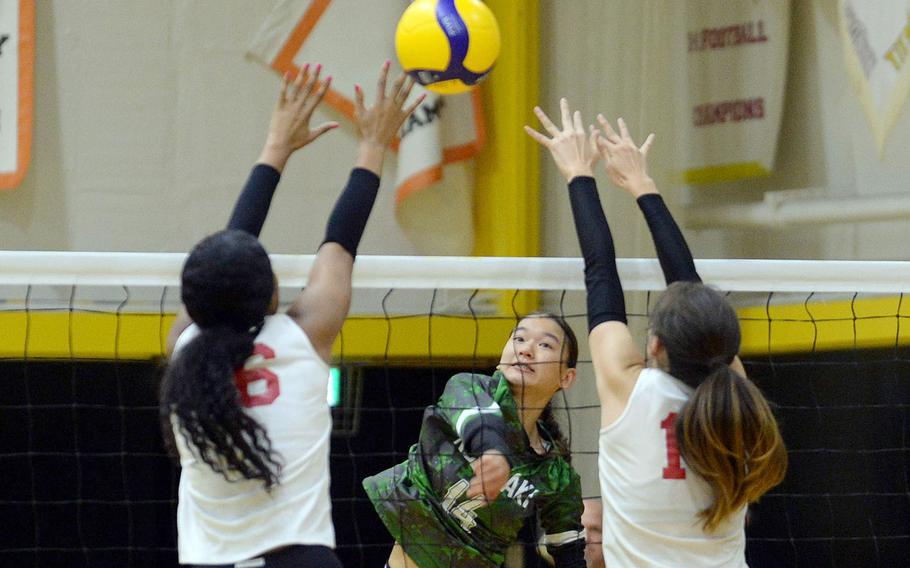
[[533, 356]]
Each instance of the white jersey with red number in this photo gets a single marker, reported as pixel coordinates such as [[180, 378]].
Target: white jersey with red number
[[284, 387], [650, 500]]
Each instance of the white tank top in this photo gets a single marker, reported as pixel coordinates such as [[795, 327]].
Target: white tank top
[[285, 387], [650, 500]]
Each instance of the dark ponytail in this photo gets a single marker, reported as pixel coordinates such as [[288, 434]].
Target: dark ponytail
[[227, 286], [199, 392], [570, 359], [726, 431]]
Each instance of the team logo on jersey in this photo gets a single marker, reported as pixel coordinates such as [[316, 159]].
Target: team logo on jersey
[[520, 490]]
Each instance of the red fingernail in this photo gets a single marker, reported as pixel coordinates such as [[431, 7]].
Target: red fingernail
[[329, 78], [306, 66], [388, 62], [356, 87], [318, 67]]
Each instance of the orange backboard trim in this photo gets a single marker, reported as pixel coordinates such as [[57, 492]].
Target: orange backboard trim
[[284, 63], [26, 91]]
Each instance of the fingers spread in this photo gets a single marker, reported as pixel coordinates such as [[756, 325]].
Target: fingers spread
[[322, 129], [298, 82], [623, 130], [406, 91], [576, 119], [397, 87], [383, 79], [609, 133], [566, 115], [358, 99], [540, 138], [545, 120], [283, 93], [320, 94], [415, 104], [647, 145], [311, 82], [593, 138]]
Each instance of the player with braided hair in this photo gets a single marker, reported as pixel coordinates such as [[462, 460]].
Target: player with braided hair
[[243, 400], [490, 457]]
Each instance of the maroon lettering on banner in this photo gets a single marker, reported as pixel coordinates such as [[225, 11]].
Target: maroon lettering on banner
[[728, 36], [742, 110]]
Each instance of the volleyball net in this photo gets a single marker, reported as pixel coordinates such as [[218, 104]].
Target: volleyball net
[[85, 480]]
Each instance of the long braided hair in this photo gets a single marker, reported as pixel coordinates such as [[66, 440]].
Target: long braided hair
[[227, 287]]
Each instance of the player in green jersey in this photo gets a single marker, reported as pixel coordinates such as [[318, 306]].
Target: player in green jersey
[[488, 457]]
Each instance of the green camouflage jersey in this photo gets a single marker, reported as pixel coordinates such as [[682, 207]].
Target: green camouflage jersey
[[423, 501]]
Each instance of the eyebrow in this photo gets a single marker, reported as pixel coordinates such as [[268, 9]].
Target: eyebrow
[[547, 333]]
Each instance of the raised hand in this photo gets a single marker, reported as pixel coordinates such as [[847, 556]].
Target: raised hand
[[289, 129], [378, 124], [626, 163], [574, 152], [491, 472]]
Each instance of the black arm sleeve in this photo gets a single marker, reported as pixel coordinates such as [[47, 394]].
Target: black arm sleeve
[[253, 204], [672, 251], [352, 210], [570, 555], [605, 297]]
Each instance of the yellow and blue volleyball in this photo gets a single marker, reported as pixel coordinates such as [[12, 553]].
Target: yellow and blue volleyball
[[447, 45]]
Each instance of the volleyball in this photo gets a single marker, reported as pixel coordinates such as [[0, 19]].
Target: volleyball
[[448, 46]]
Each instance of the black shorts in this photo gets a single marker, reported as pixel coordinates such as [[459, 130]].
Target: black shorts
[[297, 556]]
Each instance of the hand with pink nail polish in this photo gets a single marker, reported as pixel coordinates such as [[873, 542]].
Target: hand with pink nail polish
[[290, 129], [378, 124]]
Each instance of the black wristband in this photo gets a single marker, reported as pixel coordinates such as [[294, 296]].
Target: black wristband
[[672, 251], [605, 297], [253, 204], [352, 210], [569, 555]]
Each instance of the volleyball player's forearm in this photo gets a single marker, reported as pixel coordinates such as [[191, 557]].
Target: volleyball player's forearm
[[672, 251], [252, 206], [569, 556], [467, 405], [352, 210], [605, 297]]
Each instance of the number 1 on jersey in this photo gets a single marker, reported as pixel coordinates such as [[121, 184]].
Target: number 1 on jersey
[[673, 469]]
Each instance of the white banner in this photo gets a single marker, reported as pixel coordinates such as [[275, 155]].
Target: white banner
[[876, 40], [351, 38], [736, 68]]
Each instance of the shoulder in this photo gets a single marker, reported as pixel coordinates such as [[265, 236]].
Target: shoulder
[[282, 329], [654, 389], [187, 335], [656, 382]]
